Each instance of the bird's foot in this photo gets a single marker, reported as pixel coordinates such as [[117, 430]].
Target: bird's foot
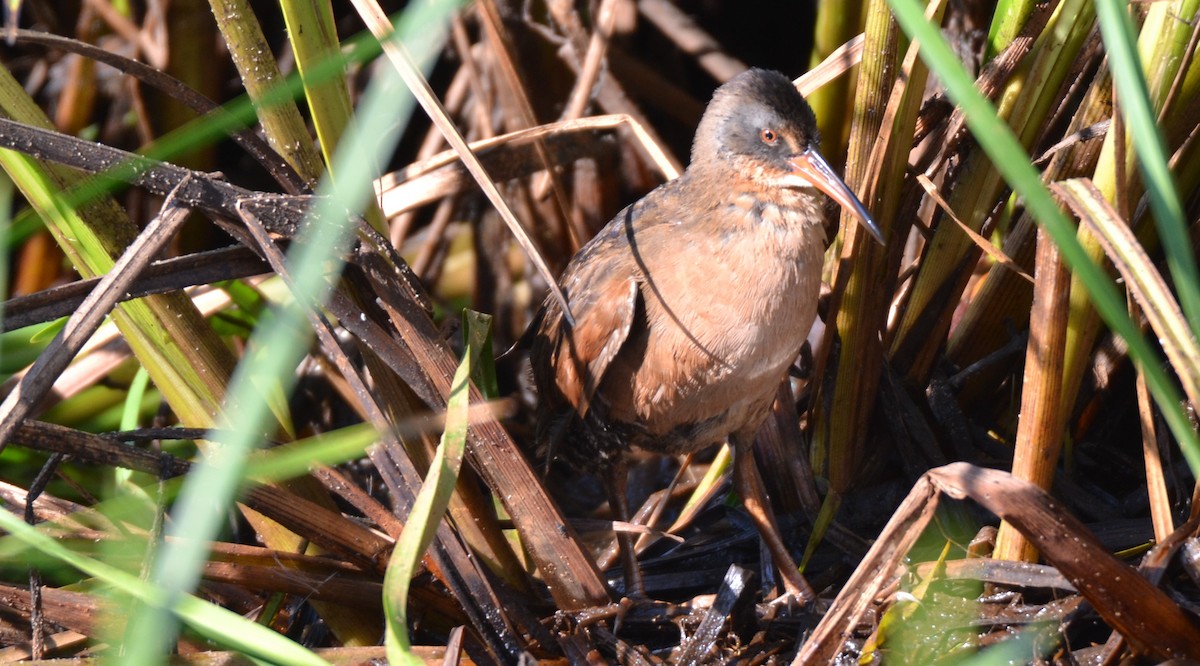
[[794, 597], [615, 612], [796, 587], [788, 602], [643, 608]]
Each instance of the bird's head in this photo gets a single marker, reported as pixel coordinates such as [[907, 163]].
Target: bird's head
[[759, 124]]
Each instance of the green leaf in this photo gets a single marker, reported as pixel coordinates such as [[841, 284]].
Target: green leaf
[[434, 497]]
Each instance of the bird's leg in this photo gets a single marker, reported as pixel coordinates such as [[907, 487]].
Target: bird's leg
[[615, 479], [754, 496]]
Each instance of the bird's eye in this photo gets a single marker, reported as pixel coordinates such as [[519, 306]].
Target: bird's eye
[[768, 136]]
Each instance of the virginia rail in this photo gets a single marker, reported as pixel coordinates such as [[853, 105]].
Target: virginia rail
[[692, 303]]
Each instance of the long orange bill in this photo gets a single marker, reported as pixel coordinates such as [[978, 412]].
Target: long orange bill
[[814, 170]]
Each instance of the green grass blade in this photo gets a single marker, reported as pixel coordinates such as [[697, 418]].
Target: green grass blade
[[214, 622], [1133, 96], [314, 41], [275, 350], [6, 199], [297, 458], [1002, 147], [433, 499], [281, 122], [1007, 21]]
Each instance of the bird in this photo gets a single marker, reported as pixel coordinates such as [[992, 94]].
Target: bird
[[688, 308]]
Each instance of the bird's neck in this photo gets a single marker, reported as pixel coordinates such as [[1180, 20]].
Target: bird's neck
[[771, 204]]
